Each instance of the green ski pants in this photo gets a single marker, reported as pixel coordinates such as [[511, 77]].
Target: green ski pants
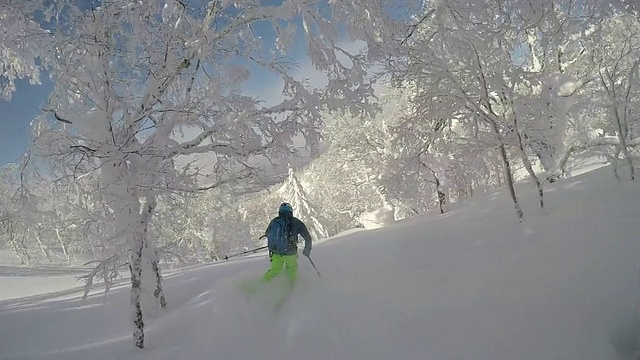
[[288, 262]]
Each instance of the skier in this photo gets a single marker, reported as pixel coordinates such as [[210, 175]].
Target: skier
[[282, 236]]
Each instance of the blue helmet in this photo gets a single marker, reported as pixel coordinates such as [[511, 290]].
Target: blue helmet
[[285, 208]]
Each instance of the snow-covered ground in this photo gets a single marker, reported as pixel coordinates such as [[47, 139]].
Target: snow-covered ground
[[470, 284]]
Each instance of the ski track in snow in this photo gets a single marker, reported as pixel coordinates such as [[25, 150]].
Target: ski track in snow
[[470, 284]]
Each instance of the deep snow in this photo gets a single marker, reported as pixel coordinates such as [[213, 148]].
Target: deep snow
[[470, 284]]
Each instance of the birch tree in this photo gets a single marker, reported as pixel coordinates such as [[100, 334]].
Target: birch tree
[[500, 72], [468, 90], [604, 122], [141, 85], [617, 63]]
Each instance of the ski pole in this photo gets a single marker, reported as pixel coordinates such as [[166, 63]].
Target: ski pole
[[314, 265], [226, 257]]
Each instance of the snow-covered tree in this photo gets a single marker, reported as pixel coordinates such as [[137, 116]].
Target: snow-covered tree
[[25, 47], [603, 63], [11, 229], [500, 73], [471, 90], [142, 85], [27, 216], [335, 188], [618, 74], [350, 176], [294, 193], [202, 226]]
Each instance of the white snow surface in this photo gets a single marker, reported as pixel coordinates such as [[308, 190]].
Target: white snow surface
[[470, 284]]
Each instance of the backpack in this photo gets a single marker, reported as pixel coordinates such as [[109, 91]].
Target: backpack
[[278, 235]]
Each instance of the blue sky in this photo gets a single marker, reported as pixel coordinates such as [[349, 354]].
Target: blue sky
[[16, 115]]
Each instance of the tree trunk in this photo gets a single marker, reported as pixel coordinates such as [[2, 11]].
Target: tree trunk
[[622, 135], [509, 178], [441, 200], [64, 248], [22, 252], [620, 121], [614, 161], [159, 292], [442, 197], [44, 248], [151, 253], [14, 243], [526, 162], [507, 171], [139, 245], [135, 266], [106, 272]]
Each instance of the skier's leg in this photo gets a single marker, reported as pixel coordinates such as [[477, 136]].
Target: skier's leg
[[277, 261], [291, 269], [291, 263]]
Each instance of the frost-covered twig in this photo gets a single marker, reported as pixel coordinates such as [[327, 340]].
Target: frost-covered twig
[[106, 269], [582, 146]]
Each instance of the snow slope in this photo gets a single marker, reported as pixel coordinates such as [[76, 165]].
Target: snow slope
[[470, 284]]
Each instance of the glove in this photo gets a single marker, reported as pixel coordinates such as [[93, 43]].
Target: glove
[[306, 251]]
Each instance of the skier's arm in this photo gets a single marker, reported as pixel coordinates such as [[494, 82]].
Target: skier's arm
[[304, 232], [265, 235]]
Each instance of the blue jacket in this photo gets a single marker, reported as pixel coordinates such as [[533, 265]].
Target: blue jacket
[[297, 228]]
